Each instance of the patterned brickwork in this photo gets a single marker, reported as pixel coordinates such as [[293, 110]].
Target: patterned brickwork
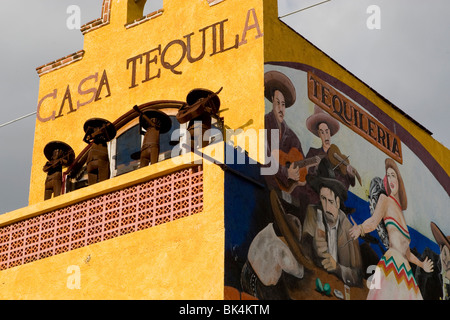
[[158, 201], [145, 18], [100, 22], [60, 63]]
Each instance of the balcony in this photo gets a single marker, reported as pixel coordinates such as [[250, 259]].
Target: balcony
[[140, 206]]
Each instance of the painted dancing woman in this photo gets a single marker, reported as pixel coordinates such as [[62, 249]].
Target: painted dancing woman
[[393, 278]]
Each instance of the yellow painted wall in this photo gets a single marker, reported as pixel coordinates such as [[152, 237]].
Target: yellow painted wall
[[183, 259], [280, 48], [238, 71]]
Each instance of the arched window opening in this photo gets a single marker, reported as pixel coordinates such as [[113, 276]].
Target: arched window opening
[[165, 140], [124, 151], [126, 147], [140, 11]]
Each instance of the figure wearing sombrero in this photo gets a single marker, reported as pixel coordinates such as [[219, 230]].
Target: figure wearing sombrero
[[59, 155], [97, 133], [280, 91], [152, 123], [324, 126], [444, 245], [325, 237], [201, 106]]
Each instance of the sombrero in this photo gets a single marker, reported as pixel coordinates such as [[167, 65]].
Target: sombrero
[[390, 163], [194, 107], [275, 80], [64, 147], [441, 239], [99, 122], [166, 123], [326, 178], [318, 117]]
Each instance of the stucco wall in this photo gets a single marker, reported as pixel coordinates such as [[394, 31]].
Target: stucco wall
[[182, 259]]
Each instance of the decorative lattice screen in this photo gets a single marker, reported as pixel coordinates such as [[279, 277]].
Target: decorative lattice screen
[[131, 209]]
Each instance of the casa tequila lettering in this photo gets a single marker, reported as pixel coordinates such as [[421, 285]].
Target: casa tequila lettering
[[175, 52], [344, 110], [207, 42], [90, 89]]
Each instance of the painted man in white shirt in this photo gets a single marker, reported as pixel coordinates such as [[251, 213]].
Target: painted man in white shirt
[[325, 237]]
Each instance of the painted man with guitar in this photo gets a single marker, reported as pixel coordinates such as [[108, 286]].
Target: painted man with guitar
[[269, 257], [290, 179]]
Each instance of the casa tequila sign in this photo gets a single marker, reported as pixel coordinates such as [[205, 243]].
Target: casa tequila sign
[[152, 63]]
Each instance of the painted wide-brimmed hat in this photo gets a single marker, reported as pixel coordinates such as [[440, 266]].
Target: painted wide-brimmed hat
[[194, 107], [98, 123], [326, 178], [320, 116], [66, 150], [166, 123], [275, 80], [441, 239], [390, 163]]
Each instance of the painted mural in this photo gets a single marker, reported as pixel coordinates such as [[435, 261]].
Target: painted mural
[[354, 210]]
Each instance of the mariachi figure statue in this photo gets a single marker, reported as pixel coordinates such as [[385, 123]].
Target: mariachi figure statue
[[152, 124], [97, 133], [59, 155], [201, 105]]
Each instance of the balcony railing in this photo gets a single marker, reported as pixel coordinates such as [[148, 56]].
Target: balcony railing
[[148, 204]]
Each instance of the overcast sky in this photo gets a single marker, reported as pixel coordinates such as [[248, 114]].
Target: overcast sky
[[406, 61]]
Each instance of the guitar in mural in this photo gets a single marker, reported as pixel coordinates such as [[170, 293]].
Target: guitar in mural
[[295, 157]]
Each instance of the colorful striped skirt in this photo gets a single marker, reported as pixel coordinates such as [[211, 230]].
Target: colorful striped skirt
[[393, 279]]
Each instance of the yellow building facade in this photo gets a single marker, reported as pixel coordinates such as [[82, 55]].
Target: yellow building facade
[[182, 228]]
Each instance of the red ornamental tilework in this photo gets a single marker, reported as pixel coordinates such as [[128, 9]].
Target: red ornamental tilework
[[161, 200]]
